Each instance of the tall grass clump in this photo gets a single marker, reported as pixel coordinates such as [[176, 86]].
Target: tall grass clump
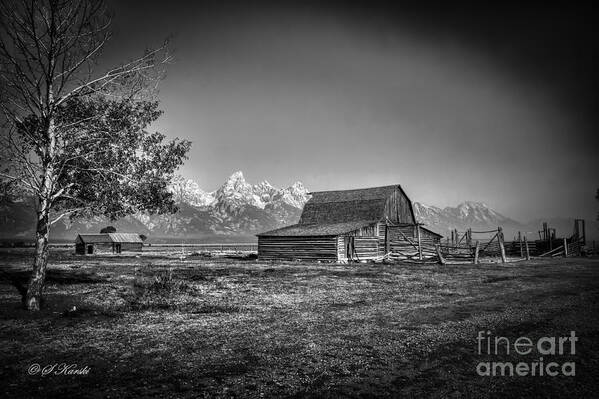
[[157, 289]]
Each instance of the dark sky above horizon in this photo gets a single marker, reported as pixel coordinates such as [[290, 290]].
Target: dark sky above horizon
[[493, 104]]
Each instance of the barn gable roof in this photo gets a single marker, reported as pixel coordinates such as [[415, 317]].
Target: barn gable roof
[[94, 238], [110, 238], [322, 229], [349, 205], [125, 237]]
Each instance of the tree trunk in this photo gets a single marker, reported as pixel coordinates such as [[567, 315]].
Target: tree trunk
[[35, 289], [33, 298]]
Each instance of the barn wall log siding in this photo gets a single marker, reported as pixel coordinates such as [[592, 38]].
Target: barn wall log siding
[[133, 246], [366, 247], [309, 248], [429, 241], [365, 243], [366, 231]]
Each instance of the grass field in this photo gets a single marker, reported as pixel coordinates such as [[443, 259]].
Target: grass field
[[154, 326]]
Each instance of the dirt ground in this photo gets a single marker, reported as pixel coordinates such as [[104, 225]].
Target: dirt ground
[[156, 326]]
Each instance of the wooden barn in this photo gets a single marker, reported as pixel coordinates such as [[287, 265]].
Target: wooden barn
[[88, 244], [351, 225]]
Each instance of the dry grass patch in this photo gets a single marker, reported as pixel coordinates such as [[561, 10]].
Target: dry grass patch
[[159, 327]]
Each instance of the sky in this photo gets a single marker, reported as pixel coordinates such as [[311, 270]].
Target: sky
[[495, 104]]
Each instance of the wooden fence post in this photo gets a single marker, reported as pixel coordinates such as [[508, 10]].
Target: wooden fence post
[[520, 241], [501, 247], [565, 247], [476, 252], [526, 245], [439, 254], [419, 243]]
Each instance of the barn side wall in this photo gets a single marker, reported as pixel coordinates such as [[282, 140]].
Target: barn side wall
[[102, 248], [107, 247], [365, 242], [429, 239], [404, 240], [309, 248], [366, 247], [401, 238]]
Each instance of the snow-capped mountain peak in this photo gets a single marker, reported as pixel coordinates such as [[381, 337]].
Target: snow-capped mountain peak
[[236, 179], [263, 185], [189, 192], [236, 193], [298, 186], [478, 212], [295, 195]]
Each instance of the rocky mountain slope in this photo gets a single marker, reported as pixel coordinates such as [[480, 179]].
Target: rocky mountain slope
[[469, 214]]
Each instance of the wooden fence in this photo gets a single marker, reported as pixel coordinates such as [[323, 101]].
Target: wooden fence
[[462, 247], [240, 247]]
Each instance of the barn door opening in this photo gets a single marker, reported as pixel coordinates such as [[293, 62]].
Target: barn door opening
[[90, 249]]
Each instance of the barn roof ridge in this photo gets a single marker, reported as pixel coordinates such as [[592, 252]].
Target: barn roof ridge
[[357, 189], [348, 200]]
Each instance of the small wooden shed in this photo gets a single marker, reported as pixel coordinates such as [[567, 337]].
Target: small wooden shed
[[88, 244], [349, 225]]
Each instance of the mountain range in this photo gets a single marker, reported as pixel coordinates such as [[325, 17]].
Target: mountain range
[[237, 210], [480, 217]]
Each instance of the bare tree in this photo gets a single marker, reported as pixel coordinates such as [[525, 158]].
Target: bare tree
[[72, 137]]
